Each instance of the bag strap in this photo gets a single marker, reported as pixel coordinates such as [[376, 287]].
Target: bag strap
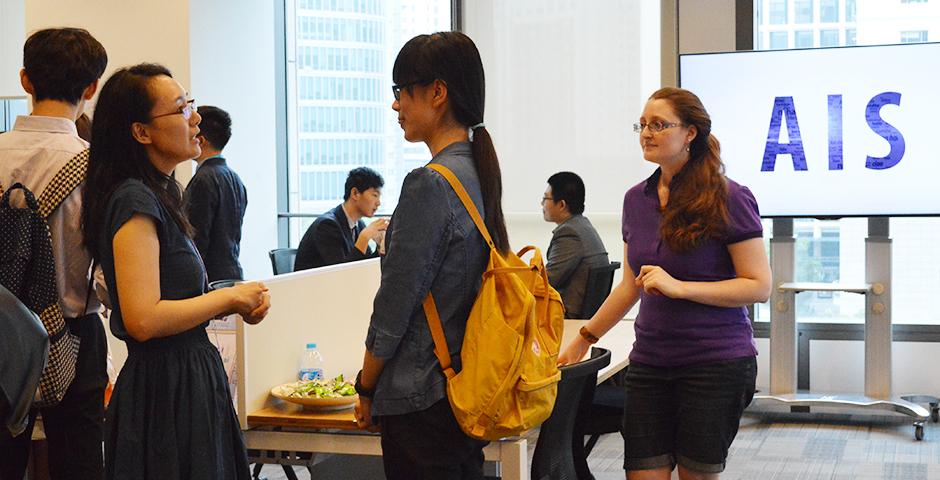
[[64, 182], [437, 333], [465, 199], [430, 308]]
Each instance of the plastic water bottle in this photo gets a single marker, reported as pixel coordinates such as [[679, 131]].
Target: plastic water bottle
[[311, 364]]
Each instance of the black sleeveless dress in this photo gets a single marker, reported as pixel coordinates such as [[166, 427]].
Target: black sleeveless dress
[[171, 415]]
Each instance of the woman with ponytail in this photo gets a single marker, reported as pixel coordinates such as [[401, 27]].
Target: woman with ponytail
[[694, 260], [431, 246]]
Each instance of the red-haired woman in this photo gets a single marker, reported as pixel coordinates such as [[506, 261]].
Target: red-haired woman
[[692, 240]]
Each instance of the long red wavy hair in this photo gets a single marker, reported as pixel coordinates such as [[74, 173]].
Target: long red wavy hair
[[696, 209]]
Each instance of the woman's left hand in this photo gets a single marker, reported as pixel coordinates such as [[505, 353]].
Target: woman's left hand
[[656, 281], [364, 414], [258, 314]]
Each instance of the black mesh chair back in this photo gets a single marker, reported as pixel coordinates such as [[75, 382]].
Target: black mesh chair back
[[554, 450], [600, 281], [282, 260]]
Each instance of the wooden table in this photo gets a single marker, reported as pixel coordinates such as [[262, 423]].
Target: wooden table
[[336, 432]]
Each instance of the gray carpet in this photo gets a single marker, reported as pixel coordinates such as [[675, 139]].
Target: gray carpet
[[768, 447]]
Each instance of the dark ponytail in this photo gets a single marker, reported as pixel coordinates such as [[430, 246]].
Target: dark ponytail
[[453, 58], [491, 185]]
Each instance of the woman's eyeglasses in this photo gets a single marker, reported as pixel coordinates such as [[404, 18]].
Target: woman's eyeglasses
[[396, 89], [656, 127], [186, 110]]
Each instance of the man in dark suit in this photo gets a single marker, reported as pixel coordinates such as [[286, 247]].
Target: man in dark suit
[[216, 199], [340, 235], [576, 247]]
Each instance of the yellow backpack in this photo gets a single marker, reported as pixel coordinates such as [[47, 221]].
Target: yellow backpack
[[508, 378]]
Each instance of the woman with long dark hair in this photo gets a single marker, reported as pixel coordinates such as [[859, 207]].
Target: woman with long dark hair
[[171, 414], [692, 241], [431, 246]]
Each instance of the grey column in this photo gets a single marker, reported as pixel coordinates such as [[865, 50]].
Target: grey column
[[783, 331]]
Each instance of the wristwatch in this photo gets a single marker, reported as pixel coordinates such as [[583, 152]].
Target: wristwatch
[[362, 391], [590, 337]]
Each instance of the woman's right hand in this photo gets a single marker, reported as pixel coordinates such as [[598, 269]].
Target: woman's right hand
[[574, 352], [245, 298]]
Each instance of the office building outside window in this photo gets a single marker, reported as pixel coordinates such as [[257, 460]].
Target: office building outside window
[[803, 39], [829, 11], [778, 40], [914, 36], [828, 38], [340, 56], [778, 12], [834, 250], [803, 11]]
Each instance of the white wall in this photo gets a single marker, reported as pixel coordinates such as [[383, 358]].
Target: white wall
[[12, 14], [223, 53], [132, 31], [232, 67], [565, 82]]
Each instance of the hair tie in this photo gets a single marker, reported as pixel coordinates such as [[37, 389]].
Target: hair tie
[[471, 129]]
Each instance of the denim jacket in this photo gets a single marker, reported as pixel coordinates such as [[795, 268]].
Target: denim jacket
[[431, 245]]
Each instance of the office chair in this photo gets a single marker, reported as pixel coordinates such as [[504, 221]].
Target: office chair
[[606, 409], [559, 436], [600, 281], [282, 260]]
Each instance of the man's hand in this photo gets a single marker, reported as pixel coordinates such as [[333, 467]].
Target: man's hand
[[374, 231]]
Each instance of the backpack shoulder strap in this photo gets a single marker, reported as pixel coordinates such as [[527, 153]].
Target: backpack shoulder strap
[[437, 334], [430, 309], [465, 198], [64, 182]]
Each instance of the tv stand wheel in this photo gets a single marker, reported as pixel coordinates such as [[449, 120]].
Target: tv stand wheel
[[918, 431]]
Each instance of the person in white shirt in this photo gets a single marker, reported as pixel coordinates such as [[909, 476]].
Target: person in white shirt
[[61, 69]]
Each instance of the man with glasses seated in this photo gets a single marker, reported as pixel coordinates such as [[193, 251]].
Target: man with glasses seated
[[575, 247], [216, 199], [340, 235]]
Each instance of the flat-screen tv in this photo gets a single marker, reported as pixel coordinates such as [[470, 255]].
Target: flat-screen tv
[[828, 132]]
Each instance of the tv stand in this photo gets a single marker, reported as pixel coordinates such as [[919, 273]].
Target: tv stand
[[878, 335]]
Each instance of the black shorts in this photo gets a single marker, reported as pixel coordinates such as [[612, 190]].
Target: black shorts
[[687, 415]]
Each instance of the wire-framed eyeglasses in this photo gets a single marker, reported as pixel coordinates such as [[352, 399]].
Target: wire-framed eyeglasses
[[186, 110], [656, 127]]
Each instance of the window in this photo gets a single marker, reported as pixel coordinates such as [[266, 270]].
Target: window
[[828, 38], [829, 11], [803, 11], [914, 36], [778, 12], [778, 40], [803, 39], [850, 37], [849, 10], [340, 54]]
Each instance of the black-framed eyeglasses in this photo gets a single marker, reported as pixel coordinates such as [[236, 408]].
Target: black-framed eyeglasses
[[186, 110], [545, 199], [396, 89], [656, 127]]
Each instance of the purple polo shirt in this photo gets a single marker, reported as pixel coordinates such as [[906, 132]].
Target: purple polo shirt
[[672, 332]]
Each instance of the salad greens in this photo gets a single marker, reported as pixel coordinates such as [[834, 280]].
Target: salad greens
[[334, 388]]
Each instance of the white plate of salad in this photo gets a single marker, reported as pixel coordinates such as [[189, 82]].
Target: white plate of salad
[[335, 394]]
